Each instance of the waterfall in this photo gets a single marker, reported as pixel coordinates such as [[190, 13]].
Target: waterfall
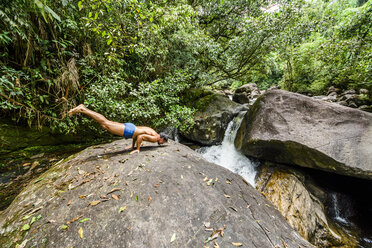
[[227, 156], [340, 209]]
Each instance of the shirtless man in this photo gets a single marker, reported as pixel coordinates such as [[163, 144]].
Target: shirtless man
[[128, 130]]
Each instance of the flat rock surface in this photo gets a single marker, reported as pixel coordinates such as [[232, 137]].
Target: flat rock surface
[[290, 128], [162, 197]]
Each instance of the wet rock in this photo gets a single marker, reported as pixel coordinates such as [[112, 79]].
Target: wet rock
[[274, 88], [333, 94], [363, 91], [352, 104], [349, 92], [215, 111], [332, 97], [321, 97], [162, 199], [247, 93], [286, 189], [294, 129], [366, 108], [348, 98], [332, 89]]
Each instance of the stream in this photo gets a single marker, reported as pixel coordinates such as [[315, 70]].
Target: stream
[[227, 156], [346, 206]]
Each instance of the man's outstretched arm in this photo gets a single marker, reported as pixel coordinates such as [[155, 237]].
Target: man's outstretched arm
[[131, 147]]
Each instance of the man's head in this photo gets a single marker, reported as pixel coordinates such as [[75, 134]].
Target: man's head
[[163, 138]]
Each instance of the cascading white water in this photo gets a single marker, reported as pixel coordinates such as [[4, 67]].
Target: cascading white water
[[338, 214], [227, 156]]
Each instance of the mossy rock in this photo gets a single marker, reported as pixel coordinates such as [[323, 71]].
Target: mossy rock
[[214, 112]]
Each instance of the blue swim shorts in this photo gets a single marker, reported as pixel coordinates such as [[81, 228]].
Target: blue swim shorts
[[129, 129]]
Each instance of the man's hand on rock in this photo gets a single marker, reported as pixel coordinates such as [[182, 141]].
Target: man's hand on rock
[[133, 152]]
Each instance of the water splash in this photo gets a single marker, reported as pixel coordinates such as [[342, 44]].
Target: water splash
[[227, 156]]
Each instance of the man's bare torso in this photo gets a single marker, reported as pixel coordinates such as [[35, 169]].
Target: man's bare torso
[[145, 130]]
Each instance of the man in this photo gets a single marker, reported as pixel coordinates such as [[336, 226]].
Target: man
[[128, 130]]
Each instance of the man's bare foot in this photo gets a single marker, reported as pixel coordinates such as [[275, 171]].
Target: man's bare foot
[[76, 110]]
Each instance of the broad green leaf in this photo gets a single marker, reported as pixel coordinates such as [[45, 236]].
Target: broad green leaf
[[26, 227], [50, 11]]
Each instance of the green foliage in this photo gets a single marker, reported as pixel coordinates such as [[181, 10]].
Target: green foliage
[[338, 53], [134, 60]]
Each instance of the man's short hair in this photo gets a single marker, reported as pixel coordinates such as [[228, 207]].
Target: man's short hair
[[164, 136]]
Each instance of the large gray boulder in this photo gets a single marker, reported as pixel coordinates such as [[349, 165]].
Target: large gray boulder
[[214, 112], [290, 128], [165, 196]]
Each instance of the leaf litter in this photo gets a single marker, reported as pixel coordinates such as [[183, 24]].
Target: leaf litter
[[94, 203], [81, 232], [173, 238], [113, 190], [237, 244], [122, 208]]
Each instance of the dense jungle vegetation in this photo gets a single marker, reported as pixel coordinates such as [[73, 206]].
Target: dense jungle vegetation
[[133, 60]]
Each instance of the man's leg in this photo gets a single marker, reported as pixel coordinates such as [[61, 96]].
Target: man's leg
[[111, 126]]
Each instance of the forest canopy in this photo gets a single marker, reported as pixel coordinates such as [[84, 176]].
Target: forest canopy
[[133, 60]]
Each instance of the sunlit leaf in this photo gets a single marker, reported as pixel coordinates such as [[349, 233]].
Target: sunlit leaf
[[83, 220], [81, 232], [173, 238], [26, 227], [26, 217], [33, 220], [237, 244], [80, 5], [94, 203], [122, 208]]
